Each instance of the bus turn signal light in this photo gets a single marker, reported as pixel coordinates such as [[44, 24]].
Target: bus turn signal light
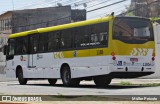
[[153, 54], [113, 54]]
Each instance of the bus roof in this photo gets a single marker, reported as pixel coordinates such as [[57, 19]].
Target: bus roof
[[61, 27], [20, 34]]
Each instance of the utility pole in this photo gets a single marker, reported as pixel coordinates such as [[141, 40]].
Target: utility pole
[[148, 9], [135, 3], [13, 5]]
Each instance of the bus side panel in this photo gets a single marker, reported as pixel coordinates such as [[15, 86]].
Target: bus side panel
[[10, 71], [52, 66], [44, 66], [20, 60], [80, 66], [90, 66]]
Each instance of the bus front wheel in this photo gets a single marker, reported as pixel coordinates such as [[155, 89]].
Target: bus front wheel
[[102, 81], [66, 78], [52, 81], [21, 79]]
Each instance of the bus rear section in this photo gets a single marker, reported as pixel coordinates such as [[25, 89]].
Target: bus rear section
[[133, 52]]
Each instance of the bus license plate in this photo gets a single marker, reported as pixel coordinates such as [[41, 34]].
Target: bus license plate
[[134, 59]]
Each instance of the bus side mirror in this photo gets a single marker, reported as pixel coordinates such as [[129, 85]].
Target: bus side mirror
[[5, 49]]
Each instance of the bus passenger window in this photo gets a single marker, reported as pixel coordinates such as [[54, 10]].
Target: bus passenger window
[[58, 41], [34, 43], [25, 46], [101, 32], [35, 48], [21, 45], [24, 49], [43, 42], [52, 41], [103, 38], [62, 42], [94, 38]]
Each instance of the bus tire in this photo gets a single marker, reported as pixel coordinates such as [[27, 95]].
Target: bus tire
[[102, 81], [66, 78], [52, 81], [22, 81]]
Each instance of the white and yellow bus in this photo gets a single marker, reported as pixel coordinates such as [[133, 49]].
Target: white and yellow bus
[[99, 49]]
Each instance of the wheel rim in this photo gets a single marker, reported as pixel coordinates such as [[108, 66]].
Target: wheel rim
[[21, 79], [20, 76], [66, 76]]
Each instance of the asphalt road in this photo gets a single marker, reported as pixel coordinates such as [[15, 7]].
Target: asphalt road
[[86, 88], [42, 87]]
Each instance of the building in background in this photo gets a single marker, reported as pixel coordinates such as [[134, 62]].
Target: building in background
[[29, 19], [146, 8]]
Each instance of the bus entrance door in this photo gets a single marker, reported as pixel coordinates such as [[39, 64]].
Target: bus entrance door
[[33, 61]]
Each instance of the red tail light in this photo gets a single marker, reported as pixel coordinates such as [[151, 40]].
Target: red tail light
[[113, 58]]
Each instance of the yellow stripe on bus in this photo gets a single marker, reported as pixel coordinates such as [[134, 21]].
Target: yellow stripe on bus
[[82, 53], [25, 33], [120, 48]]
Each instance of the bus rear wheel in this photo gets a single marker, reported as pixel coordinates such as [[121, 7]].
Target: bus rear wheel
[[66, 78], [102, 81], [21, 79], [52, 81]]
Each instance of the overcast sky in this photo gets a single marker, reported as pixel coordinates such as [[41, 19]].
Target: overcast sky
[[6, 5]]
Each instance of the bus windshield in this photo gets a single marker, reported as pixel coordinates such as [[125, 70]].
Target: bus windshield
[[132, 30]]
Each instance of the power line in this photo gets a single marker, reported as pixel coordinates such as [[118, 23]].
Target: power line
[[132, 9], [98, 3], [81, 3], [31, 4], [107, 6], [108, 12], [138, 8], [13, 4], [66, 16], [88, 11], [44, 4]]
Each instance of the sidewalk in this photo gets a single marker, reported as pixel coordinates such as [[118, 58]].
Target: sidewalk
[[3, 78], [114, 81], [136, 81]]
